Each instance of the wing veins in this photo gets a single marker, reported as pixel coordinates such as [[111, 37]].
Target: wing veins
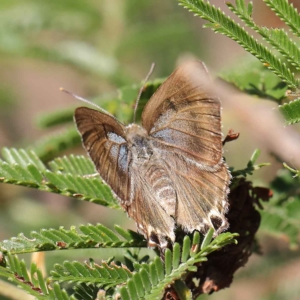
[[182, 149], [180, 90], [187, 92], [190, 120], [94, 142], [190, 134], [106, 155], [194, 96], [197, 121], [198, 113], [201, 182], [189, 179]]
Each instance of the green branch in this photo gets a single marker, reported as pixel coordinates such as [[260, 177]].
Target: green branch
[[278, 38], [286, 13], [88, 236], [221, 23], [151, 279], [68, 176]]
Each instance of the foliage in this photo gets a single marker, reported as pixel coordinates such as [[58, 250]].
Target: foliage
[[176, 264], [66, 176], [290, 111], [251, 166], [146, 281], [90, 236], [253, 78], [281, 215], [219, 22], [41, 167]]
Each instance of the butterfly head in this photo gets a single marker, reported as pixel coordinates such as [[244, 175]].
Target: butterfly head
[[138, 141]]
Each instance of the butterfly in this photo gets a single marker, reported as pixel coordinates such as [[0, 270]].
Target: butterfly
[[169, 171]]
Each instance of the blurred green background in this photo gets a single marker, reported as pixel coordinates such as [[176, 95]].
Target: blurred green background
[[92, 48]]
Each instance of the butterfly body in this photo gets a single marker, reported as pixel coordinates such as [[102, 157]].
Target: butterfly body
[[169, 171], [139, 143]]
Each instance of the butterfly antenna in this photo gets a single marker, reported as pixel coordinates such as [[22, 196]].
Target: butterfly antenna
[[86, 101], [141, 91]]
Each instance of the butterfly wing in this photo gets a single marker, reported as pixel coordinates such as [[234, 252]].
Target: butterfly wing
[[183, 119], [201, 195], [104, 139]]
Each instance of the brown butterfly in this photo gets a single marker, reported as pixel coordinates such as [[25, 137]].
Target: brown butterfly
[[169, 171]]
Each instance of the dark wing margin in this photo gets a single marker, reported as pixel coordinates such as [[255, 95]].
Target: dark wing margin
[[184, 117], [104, 139]]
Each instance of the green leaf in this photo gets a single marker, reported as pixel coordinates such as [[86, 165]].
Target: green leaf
[[207, 239], [56, 118], [277, 221], [67, 178], [182, 290], [52, 145], [102, 275], [125, 294], [186, 248], [296, 172], [278, 38], [89, 236], [22, 158], [148, 281], [75, 165], [287, 13], [161, 275], [250, 76], [291, 111], [34, 285], [250, 166], [280, 215], [128, 96], [255, 155], [221, 23]]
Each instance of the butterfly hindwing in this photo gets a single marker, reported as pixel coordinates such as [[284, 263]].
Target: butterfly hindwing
[[201, 195]]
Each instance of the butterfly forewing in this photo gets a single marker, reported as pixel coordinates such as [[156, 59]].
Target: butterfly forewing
[[104, 139], [185, 117]]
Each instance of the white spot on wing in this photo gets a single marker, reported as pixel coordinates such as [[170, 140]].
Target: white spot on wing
[[115, 138]]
